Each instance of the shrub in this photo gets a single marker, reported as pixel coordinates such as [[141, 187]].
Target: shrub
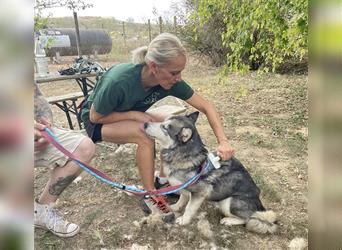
[[249, 34]]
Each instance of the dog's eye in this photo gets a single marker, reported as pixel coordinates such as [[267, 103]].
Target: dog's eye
[[166, 127]]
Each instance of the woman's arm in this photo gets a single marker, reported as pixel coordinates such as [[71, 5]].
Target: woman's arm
[[224, 150], [96, 117]]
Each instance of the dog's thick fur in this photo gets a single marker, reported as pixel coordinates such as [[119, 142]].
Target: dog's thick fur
[[230, 186]]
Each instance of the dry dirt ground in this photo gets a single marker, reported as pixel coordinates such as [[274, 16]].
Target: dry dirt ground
[[266, 119]]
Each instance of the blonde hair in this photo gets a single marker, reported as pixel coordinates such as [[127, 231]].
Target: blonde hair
[[161, 50]]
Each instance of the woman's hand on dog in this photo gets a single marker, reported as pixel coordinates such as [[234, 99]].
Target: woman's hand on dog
[[225, 151]]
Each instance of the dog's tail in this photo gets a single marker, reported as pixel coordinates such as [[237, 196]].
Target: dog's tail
[[262, 222]]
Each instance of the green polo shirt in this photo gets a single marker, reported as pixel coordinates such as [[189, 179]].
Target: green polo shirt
[[120, 89]]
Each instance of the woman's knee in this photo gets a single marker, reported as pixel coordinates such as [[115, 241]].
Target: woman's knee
[[145, 141]]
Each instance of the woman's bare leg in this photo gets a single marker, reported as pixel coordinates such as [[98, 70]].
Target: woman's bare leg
[[129, 132], [159, 118]]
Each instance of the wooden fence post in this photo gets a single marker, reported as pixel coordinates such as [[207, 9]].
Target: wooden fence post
[[175, 24], [160, 25], [149, 30], [78, 39], [124, 33]]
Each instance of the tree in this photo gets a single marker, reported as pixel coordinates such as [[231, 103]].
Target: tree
[[252, 34], [40, 21], [73, 5], [70, 4]]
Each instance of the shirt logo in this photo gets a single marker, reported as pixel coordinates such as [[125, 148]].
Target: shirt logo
[[152, 98]]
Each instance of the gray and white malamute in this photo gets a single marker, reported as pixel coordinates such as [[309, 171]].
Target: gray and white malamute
[[230, 185]]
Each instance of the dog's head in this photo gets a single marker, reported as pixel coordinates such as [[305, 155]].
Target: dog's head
[[173, 132]]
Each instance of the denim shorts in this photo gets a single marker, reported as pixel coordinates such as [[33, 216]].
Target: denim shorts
[[93, 129]]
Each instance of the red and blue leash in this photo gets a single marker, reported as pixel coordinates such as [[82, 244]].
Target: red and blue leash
[[51, 137]]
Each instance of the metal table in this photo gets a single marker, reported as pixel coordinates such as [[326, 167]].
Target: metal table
[[82, 80], [67, 102]]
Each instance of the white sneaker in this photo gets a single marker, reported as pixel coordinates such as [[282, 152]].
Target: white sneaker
[[46, 217]]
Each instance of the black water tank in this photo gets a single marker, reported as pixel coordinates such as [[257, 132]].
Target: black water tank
[[91, 40]]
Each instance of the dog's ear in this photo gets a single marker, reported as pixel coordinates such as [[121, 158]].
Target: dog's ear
[[185, 134], [193, 116]]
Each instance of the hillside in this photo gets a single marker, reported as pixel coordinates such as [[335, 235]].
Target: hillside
[[136, 34], [112, 25]]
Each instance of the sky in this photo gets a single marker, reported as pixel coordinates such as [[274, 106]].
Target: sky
[[139, 10]]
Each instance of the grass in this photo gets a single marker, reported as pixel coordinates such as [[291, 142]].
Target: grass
[[97, 235], [257, 140], [267, 190], [231, 120], [113, 236], [121, 52], [49, 241], [299, 118], [297, 144], [90, 218]]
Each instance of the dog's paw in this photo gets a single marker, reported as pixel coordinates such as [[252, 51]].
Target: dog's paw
[[175, 208], [183, 220]]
